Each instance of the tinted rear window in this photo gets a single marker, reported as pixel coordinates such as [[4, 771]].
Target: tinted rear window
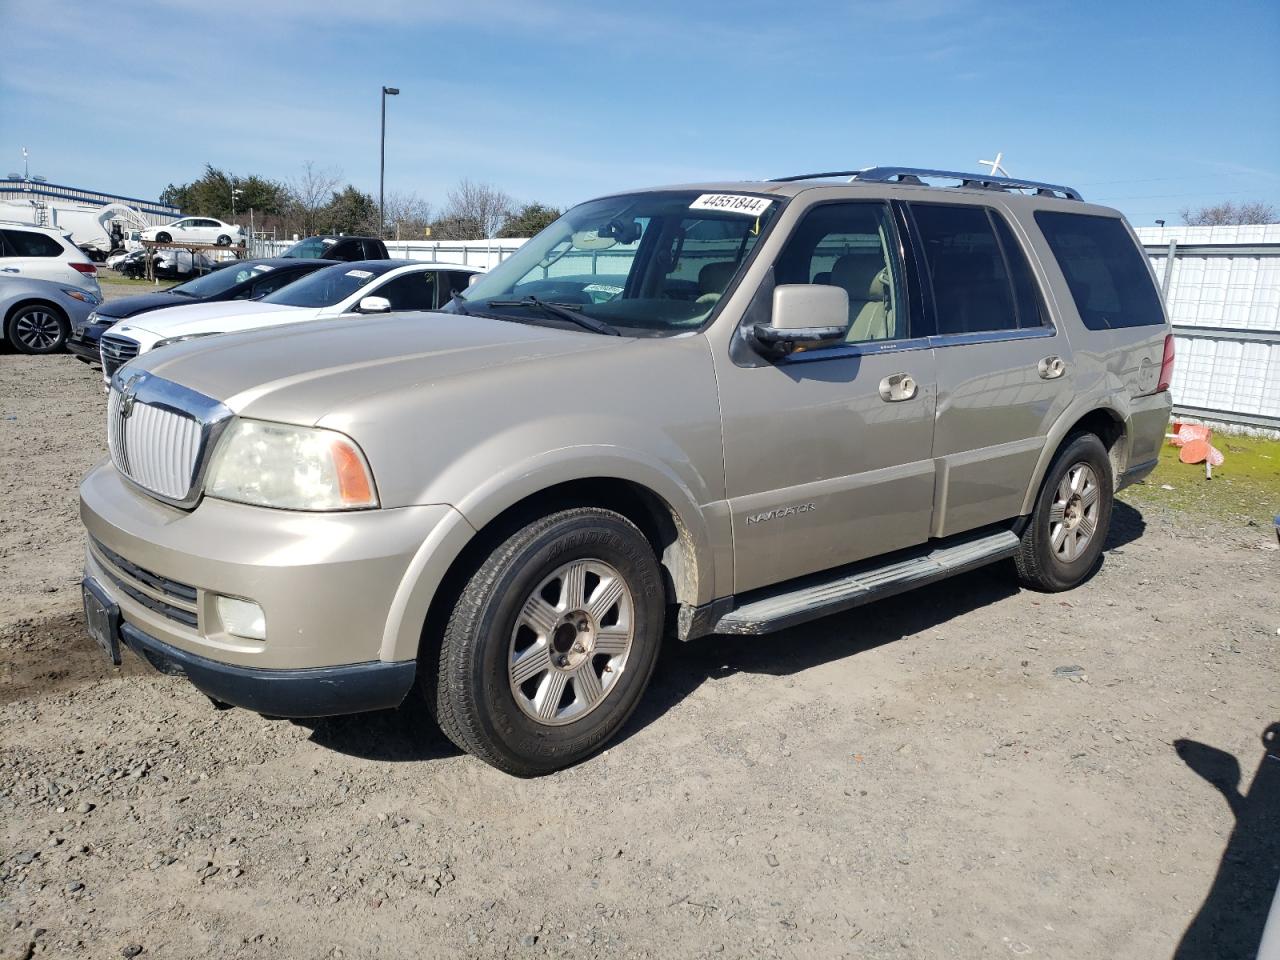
[[1105, 270]]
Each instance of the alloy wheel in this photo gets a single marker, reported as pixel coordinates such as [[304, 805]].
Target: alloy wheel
[[37, 330], [570, 642], [1073, 515]]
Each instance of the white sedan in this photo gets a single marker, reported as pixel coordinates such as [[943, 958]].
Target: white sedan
[[196, 230], [362, 287]]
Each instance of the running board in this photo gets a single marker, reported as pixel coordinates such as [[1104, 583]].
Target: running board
[[786, 607]]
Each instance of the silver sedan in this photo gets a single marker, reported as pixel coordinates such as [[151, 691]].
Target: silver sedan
[[39, 314]]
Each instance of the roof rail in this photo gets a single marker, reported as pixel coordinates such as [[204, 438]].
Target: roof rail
[[916, 176]]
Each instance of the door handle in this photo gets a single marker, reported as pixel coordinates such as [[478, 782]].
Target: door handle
[[897, 387], [9, 270], [1051, 368]]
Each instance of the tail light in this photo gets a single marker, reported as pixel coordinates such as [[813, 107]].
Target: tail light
[[1166, 365], [86, 268]]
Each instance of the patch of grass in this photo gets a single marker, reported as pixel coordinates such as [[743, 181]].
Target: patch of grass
[[1246, 487], [109, 278]]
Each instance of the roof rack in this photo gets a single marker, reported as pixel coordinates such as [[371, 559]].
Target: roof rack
[[915, 176]]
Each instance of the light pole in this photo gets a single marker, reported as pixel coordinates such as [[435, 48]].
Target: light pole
[[235, 192], [382, 160]]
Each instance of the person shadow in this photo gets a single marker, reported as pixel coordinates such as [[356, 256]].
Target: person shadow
[[1229, 923]]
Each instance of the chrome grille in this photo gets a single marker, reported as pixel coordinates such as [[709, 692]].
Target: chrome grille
[[115, 351], [159, 434]]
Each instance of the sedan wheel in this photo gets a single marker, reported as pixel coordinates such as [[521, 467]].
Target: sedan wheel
[[224, 241], [38, 329], [163, 237]]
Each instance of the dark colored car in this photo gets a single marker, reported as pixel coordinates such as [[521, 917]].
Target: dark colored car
[[339, 248], [240, 280]]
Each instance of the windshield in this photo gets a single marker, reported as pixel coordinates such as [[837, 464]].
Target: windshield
[[220, 281], [326, 287], [650, 264], [312, 248]]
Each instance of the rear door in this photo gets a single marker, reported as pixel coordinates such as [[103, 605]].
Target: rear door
[[1114, 293], [1004, 371]]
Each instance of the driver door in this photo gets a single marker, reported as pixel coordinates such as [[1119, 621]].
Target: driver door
[[824, 464]]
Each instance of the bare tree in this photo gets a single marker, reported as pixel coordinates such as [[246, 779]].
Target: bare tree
[[474, 211], [311, 191], [1230, 214], [408, 215]]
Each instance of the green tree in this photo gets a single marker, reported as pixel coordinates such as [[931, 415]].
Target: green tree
[[528, 220], [350, 211], [210, 194]]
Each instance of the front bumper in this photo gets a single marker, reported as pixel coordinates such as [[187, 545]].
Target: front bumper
[[306, 692], [331, 587], [84, 343]]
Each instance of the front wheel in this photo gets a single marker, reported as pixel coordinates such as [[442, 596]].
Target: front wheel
[[38, 329], [163, 237], [551, 643], [224, 241], [1072, 516]]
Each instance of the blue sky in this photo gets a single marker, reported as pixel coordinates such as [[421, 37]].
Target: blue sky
[[1149, 107]]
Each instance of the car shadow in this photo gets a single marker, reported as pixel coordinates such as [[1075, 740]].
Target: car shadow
[[1229, 923], [410, 734]]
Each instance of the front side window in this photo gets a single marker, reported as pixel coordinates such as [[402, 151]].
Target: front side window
[[327, 287], [412, 291], [971, 288], [1105, 271], [25, 243], [852, 246], [649, 264]]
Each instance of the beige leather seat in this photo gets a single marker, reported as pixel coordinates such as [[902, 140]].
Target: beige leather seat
[[712, 280], [866, 279]]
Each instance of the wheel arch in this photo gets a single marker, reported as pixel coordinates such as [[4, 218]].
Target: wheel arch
[[1102, 419], [679, 545]]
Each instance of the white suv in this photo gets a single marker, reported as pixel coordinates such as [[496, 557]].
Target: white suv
[[43, 253]]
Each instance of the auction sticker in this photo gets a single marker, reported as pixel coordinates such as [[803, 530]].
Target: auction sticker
[[732, 203], [360, 274]]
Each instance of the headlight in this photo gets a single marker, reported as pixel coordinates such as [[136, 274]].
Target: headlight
[[189, 336], [293, 468], [82, 296]]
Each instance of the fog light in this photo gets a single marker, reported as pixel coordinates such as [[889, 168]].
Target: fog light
[[242, 618]]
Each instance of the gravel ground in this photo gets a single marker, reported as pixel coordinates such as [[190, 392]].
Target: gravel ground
[[968, 771]]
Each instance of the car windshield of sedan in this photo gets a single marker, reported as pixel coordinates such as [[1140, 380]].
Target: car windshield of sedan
[[220, 281], [648, 264], [331, 285]]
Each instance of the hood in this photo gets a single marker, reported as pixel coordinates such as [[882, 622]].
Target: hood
[[211, 317], [132, 306], [299, 373]]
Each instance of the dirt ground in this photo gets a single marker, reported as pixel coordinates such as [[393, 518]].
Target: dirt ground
[[969, 771]]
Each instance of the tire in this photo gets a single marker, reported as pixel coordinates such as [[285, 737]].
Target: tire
[[163, 237], [224, 240], [1068, 527], [525, 635], [37, 329]]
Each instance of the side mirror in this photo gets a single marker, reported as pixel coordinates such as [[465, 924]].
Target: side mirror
[[374, 305], [474, 279], [804, 313]]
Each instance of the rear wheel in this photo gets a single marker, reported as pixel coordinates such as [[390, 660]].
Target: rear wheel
[[551, 643], [38, 329], [1071, 519]]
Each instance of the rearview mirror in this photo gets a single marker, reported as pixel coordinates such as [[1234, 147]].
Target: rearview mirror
[[374, 305], [804, 313]]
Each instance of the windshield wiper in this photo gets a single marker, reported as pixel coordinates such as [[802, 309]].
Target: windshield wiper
[[562, 312], [179, 293]]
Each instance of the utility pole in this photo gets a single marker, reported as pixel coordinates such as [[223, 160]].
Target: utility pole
[[382, 162]]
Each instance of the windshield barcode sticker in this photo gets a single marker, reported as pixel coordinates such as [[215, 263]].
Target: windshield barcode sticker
[[731, 203]]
